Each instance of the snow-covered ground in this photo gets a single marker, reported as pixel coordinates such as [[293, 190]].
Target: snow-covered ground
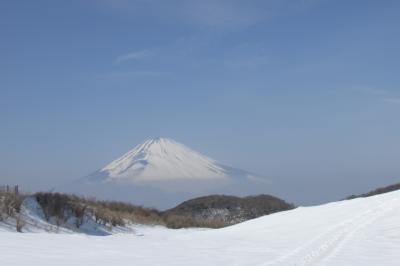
[[360, 232]]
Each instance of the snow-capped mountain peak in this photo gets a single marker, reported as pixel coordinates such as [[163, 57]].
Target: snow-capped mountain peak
[[161, 172], [162, 159]]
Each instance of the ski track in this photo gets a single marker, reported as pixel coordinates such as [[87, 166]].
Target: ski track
[[326, 245]]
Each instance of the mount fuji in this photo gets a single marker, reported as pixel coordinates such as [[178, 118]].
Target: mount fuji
[[164, 159], [162, 172]]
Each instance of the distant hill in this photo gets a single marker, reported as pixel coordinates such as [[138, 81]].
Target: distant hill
[[377, 191], [229, 210]]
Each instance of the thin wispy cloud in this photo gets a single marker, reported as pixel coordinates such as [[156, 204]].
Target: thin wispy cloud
[[138, 74], [219, 15], [372, 90], [382, 95], [137, 55], [207, 15], [392, 100], [222, 15]]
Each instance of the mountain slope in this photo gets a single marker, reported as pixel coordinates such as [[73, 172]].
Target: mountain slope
[[164, 159], [162, 173]]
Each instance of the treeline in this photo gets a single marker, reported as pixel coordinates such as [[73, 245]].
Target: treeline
[[230, 209], [377, 191], [65, 210], [60, 208]]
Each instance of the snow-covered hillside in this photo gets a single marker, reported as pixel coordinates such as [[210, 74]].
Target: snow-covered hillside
[[162, 173], [33, 220], [359, 232]]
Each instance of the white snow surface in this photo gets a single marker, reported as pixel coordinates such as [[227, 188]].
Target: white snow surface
[[359, 232], [162, 159]]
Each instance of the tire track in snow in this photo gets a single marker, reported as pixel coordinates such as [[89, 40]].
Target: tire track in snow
[[346, 235], [332, 239]]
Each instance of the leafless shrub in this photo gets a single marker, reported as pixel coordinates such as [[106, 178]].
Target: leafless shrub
[[79, 212], [53, 205], [10, 204], [174, 221], [20, 223], [61, 207]]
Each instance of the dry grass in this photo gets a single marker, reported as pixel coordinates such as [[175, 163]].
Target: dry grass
[[61, 207]]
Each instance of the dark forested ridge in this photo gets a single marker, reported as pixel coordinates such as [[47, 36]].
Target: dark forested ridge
[[377, 191], [230, 209]]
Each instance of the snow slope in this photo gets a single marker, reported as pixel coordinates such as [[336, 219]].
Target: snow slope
[[163, 159], [34, 221], [360, 232]]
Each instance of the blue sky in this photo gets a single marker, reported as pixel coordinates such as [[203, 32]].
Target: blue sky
[[305, 92]]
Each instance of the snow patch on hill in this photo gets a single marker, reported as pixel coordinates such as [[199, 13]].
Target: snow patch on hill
[[34, 221]]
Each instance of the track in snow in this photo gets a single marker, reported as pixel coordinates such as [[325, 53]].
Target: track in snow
[[327, 244]]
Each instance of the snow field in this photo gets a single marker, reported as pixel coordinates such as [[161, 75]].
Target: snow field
[[362, 232]]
